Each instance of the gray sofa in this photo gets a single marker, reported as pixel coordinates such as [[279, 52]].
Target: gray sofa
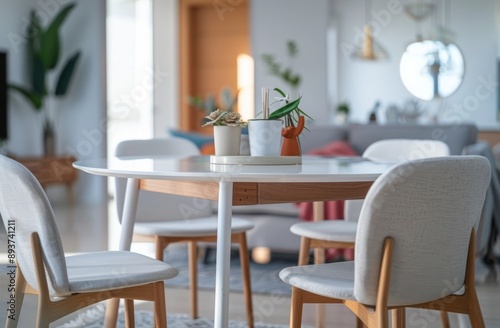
[[272, 222]]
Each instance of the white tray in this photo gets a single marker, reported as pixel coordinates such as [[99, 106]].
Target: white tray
[[256, 160]]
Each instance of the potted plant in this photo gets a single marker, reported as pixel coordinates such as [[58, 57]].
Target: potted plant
[[227, 131], [294, 121], [342, 113], [286, 74], [44, 48]]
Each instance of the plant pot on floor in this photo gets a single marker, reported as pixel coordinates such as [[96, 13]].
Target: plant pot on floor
[[49, 139]]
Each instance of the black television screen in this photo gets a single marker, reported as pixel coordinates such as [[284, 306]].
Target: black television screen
[[3, 96]]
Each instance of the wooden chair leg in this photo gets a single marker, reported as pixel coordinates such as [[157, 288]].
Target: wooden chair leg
[[445, 320], [245, 272], [193, 279], [111, 316], [129, 313], [160, 244], [319, 258], [475, 315], [399, 318], [42, 321], [160, 305], [305, 248], [296, 308]]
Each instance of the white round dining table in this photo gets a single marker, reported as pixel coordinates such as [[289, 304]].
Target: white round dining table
[[315, 179]]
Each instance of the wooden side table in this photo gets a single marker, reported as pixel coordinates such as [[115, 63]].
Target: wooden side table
[[52, 170]]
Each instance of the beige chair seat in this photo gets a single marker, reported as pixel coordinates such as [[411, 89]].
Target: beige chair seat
[[331, 230], [334, 280], [95, 271], [197, 227]]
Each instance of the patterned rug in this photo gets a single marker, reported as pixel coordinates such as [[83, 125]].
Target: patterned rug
[[94, 318]]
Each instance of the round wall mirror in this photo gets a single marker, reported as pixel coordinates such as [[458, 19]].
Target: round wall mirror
[[431, 69]]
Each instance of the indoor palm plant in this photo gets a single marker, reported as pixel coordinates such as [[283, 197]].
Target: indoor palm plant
[[44, 48]]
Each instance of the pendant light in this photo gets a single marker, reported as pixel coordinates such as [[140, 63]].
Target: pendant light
[[418, 10], [442, 30], [370, 49]]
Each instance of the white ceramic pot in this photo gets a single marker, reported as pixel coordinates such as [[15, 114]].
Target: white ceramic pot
[[265, 137], [227, 140]]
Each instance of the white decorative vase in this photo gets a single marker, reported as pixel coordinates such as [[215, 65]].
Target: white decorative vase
[[227, 140], [265, 137]]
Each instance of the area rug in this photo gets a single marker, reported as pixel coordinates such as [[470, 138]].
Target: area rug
[[94, 318], [264, 277]]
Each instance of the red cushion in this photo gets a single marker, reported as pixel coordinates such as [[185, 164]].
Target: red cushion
[[338, 148]]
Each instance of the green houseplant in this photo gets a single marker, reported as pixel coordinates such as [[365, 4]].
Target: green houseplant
[[294, 119], [44, 54], [291, 78]]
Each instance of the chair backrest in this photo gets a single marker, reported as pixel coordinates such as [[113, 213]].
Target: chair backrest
[[25, 208], [395, 151], [156, 206], [429, 207], [398, 150]]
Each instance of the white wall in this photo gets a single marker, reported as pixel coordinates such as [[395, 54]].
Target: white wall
[[166, 63], [363, 83], [81, 129], [272, 24]]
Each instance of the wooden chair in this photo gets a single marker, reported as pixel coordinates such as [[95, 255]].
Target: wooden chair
[[415, 236], [166, 219], [342, 233], [66, 284]]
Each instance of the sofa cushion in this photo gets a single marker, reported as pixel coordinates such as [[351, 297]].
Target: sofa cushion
[[320, 135], [457, 137], [334, 148]]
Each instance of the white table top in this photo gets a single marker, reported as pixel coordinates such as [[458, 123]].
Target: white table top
[[198, 168]]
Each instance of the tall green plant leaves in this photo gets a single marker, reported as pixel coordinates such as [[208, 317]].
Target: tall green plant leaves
[[33, 98], [38, 77], [37, 71], [66, 74], [49, 39]]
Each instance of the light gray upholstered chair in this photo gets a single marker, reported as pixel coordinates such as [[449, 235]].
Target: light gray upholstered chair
[[414, 246], [170, 219], [342, 233], [66, 284]]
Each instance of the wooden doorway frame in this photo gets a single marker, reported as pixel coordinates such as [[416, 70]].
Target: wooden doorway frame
[[186, 73]]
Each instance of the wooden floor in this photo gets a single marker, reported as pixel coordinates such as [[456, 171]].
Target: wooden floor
[[86, 228]]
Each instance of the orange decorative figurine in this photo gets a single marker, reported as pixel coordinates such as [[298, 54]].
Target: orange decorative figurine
[[291, 146]]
